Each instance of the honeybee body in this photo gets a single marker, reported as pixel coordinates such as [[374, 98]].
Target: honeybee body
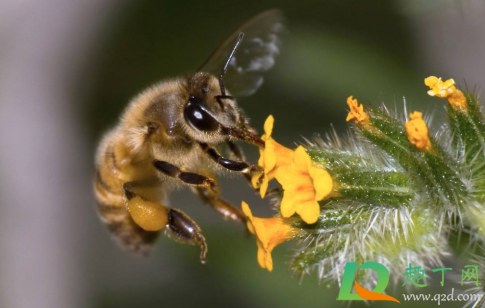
[[168, 136], [126, 154]]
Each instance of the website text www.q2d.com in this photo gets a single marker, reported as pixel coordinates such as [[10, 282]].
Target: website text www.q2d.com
[[414, 275]]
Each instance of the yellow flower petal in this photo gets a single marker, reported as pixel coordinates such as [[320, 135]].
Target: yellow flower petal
[[268, 125], [269, 156], [322, 181], [304, 184], [301, 159], [431, 81], [264, 186], [285, 175], [287, 207], [269, 262], [261, 255], [309, 212], [247, 211], [270, 232], [272, 157]]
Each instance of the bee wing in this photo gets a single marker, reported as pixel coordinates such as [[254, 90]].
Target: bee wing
[[255, 55]]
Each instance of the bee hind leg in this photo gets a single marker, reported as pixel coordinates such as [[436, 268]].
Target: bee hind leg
[[112, 208], [154, 216], [183, 229]]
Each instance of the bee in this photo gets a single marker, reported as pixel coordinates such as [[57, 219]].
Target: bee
[[169, 136]]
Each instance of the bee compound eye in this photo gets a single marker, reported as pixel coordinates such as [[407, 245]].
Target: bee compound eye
[[198, 117]]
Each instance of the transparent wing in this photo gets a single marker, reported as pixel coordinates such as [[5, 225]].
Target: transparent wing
[[255, 55]]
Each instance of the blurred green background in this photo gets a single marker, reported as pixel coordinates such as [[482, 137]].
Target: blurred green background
[[378, 51]]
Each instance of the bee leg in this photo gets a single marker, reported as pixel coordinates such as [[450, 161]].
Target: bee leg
[[144, 205], [113, 208], [189, 178], [154, 216], [237, 153], [130, 188], [233, 165], [223, 207], [206, 188], [183, 229]]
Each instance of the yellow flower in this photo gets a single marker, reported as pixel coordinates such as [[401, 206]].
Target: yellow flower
[[439, 88], [446, 89], [270, 232], [418, 131], [272, 157], [356, 111], [304, 185]]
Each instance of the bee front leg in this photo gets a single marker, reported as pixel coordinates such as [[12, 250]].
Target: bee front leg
[[188, 178], [249, 170], [237, 153]]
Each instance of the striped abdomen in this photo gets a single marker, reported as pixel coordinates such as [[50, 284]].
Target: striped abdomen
[[108, 187]]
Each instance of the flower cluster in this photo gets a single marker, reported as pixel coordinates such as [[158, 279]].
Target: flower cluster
[[361, 199], [304, 185], [416, 128]]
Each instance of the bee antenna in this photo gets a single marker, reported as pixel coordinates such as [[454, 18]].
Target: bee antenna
[[224, 69]]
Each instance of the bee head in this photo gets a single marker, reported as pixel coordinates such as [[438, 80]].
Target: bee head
[[212, 116]]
